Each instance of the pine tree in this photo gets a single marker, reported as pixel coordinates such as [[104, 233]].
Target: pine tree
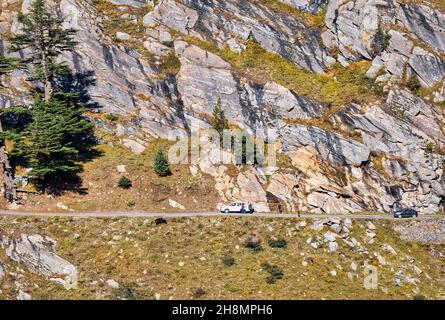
[[161, 164], [45, 37], [59, 136], [78, 131], [219, 121], [45, 145]]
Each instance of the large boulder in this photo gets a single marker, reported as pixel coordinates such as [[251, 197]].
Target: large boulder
[[287, 104], [252, 191], [38, 253], [430, 68]]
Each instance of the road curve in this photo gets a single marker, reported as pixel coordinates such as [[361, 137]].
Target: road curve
[[199, 214]]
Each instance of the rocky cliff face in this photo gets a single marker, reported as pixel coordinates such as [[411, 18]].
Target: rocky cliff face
[[354, 157], [414, 41]]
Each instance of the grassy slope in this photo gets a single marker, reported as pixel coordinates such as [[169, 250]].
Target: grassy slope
[[99, 190], [146, 260]]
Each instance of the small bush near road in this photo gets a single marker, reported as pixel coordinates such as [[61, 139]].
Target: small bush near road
[[278, 243], [161, 164], [125, 292], [228, 261], [124, 183]]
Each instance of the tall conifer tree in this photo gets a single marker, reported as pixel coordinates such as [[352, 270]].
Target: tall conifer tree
[[58, 135], [44, 36]]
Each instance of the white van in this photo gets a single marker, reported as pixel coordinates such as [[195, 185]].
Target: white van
[[235, 207]]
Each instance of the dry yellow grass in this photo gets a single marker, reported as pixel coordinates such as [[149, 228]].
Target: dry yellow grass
[[148, 193], [146, 258]]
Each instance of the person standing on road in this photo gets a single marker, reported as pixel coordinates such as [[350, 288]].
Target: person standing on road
[[243, 207], [250, 207], [280, 209]]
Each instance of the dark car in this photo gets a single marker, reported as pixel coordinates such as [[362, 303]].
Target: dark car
[[405, 213]]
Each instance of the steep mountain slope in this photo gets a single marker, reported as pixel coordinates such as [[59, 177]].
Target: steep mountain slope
[[333, 78]]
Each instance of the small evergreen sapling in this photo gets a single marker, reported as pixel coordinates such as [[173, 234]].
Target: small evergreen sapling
[[161, 164], [124, 182], [219, 120]]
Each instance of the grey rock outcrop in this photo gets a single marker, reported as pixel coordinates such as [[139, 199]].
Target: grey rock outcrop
[[38, 254], [429, 68], [330, 146], [425, 22], [370, 29], [306, 5], [132, 3]]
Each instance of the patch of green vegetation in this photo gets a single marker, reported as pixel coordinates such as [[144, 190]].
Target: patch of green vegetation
[[413, 83], [231, 287], [161, 164], [124, 182], [278, 243], [429, 147], [170, 64], [126, 292], [377, 161], [111, 117], [120, 19], [219, 120], [115, 21], [438, 4], [275, 273], [312, 20], [228, 261], [381, 41]]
